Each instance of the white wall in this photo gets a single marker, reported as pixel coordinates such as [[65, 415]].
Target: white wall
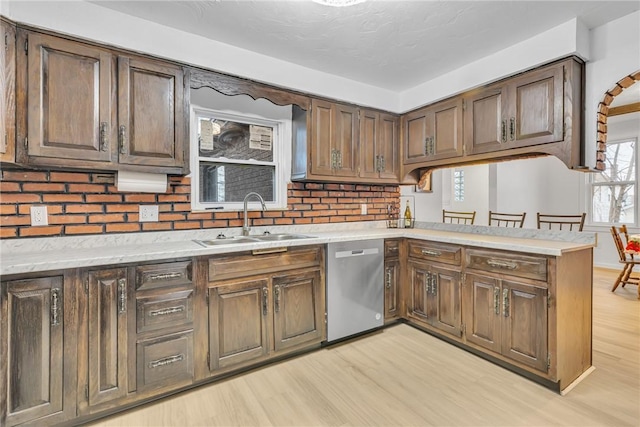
[[615, 53], [91, 21]]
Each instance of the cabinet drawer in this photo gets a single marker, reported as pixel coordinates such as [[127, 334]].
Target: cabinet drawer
[[437, 252], [160, 275], [157, 312], [509, 264], [166, 361], [228, 266], [391, 248]]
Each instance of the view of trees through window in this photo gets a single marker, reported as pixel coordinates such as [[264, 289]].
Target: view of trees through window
[[613, 191]]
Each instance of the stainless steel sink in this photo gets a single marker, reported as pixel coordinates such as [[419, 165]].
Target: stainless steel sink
[[226, 241], [280, 237], [252, 239]]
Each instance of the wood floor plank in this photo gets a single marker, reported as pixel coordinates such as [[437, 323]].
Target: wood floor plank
[[404, 377]]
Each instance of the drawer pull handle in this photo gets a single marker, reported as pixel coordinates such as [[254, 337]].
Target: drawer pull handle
[[123, 139], [168, 310], [166, 361], [122, 298], [430, 252], [496, 300], [276, 291], [388, 281], [505, 302], [502, 264], [104, 141], [55, 306], [265, 300], [164, 276]]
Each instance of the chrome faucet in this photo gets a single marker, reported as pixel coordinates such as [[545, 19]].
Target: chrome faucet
[[245, 226]]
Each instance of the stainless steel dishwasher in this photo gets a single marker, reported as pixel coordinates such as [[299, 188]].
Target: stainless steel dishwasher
[[355, 287]]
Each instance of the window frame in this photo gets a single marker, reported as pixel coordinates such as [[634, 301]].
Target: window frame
[[592, 184], [281, 128]]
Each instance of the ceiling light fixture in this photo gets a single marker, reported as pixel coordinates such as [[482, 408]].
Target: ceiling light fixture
[[338, 3]]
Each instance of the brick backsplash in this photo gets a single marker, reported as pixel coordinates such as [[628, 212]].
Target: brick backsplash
[[88, 203]]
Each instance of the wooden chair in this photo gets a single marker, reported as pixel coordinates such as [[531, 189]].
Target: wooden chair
[[563, 222], [458, 217], [628, 262], [506, 219]]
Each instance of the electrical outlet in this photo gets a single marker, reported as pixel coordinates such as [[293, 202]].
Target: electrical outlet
[[149, 213], [363, 209], [39, 215]]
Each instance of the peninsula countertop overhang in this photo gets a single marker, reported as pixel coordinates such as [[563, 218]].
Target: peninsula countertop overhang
[[45, 254]]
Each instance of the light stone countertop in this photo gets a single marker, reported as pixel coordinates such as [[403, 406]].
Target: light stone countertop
[[45, 254]]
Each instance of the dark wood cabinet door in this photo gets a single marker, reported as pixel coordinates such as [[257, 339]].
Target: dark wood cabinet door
[[346, 140], [70, 109], [388, 147], [107, 318], [391, 297], [322, 148], [297, 309], [446, 129], [378, 146], [151, 116], [32, 330], [536, 114], [444, 300], [483, 312], [485, 120], [8, 91], [415, 136], [418, 306], [524, 328], [370, 128], [239, 321]]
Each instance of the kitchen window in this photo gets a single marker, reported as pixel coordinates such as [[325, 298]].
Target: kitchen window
[[613, 192], [233, 155]]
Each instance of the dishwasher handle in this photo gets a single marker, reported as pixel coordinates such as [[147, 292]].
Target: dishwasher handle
[[357, 252]]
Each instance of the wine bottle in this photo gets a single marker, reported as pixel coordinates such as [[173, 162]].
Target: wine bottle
[[407, 216]]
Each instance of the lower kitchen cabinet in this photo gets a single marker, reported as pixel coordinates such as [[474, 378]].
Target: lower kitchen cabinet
[[251, 319], [37, 355], [391, 279], [106, 315], [298, 317], [263, 306], [435, 297], [238, 322], [434, 274], [508, 318]]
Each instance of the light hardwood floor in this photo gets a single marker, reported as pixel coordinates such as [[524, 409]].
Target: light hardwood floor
[[404, 377]]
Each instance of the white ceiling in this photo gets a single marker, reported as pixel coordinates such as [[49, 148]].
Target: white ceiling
[[394, 45]]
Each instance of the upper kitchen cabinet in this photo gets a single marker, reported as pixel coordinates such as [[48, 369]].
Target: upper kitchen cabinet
[[87, 107], [433, 132], [535, 113], [8, 91], [525, 110], [151, 113], [337, 142], [379, 158], [333, 134]]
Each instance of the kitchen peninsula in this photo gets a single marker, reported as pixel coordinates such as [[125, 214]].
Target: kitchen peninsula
[[520, 298]]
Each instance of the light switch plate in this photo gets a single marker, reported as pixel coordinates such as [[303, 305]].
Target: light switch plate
[[39, 215], [148, 213]]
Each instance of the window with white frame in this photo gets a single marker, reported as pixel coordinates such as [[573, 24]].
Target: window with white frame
[[613, 192], [233, 155]]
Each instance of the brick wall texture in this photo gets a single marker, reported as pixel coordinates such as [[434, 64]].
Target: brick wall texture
[[88, 203]]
